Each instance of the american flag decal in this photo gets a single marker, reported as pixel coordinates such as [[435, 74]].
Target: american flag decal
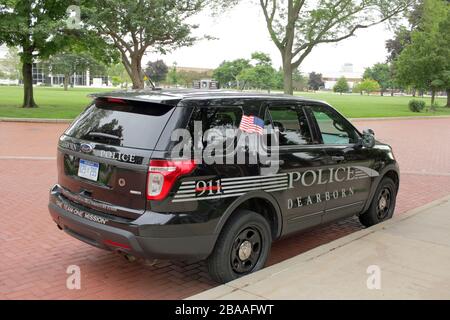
[[251, 124]]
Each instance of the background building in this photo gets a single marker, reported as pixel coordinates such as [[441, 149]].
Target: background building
[[346, 71], [42, 76]]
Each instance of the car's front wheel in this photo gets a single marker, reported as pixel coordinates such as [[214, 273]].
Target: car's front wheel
[[242, 247], [383, 204]]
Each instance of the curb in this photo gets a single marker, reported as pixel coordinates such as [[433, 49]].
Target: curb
[[241, 283], [36, 120], [400, 118]]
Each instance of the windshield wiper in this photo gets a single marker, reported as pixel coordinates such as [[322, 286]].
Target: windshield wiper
[[104, 135]]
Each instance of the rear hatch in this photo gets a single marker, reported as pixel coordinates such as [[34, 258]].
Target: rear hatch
[[103, 156]]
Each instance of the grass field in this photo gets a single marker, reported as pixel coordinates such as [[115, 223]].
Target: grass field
[[357, 106], [56, 103]]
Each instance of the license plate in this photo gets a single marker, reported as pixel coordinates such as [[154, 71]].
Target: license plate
[[88, 170]]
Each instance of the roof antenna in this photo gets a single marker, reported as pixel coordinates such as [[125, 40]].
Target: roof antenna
[[150, 82]]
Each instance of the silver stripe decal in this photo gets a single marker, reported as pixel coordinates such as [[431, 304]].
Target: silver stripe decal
[[185, 191], [188, 182], [207, 198], [252, 181], [235, 193], [254, 177], [187, 187], [344, 206], [257, 188], [254, 185], [185, 195]]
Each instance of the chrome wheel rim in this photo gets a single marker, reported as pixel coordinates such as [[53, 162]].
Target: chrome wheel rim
[[246, 250], [384, 203]]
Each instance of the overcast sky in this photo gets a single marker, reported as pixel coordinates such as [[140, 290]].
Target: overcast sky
[[242, 30]]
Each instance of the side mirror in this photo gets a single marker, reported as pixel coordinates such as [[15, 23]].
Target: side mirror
[[369, 131], [368, 138]]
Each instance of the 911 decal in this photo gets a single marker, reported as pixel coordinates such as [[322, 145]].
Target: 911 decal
[[234, 187], [229, 187]]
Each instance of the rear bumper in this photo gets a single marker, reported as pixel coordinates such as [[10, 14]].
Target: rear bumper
[[99, 231]]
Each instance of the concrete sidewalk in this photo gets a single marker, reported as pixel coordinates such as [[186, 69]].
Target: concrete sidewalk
[[412, 252]]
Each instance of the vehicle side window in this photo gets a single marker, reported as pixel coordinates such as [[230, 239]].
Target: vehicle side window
[[292, 124], [334, 129], [216, 117]]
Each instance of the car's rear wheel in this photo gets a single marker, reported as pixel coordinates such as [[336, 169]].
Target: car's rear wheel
[[242, 247], [383, 204]]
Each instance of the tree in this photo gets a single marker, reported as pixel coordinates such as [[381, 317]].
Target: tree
[[341, 85], [173, 77], [261, 75], [297, 26], [228, 71], [368, 85], [68, 64], [11, 65], [119, 75], [425, 63], [187, 78], [157, 71], [133, 27], [36, 27], [315, 81], [402, 36], [380, 72], [396, 45], [299, 82]]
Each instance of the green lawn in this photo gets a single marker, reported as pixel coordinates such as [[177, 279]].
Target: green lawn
[[57, 103], [373, 106], [54, 103]]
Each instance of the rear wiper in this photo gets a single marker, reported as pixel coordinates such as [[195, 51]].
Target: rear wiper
[[104, 135]]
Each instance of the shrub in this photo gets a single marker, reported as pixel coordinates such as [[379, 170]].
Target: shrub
[[416, 105]]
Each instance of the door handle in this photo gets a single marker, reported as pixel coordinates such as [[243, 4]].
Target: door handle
[[274, 162], [337, 158]]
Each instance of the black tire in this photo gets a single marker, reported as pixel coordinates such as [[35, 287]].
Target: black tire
[[377, 212], [229, 259]]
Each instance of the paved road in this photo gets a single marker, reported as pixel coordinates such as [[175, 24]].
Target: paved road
[[35, 254], [407, 257]]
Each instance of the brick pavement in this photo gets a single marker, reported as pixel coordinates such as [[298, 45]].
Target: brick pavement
[[35, 254]]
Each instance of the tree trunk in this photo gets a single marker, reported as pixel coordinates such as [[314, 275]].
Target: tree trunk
[[66, 82], [136, 75], [287, 74], [448, 98], [28, 96], [433, 96]]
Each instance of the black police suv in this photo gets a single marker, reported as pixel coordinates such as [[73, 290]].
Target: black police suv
[[120, 187]]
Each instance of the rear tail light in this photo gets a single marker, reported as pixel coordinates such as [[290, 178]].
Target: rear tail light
[[162, 174]]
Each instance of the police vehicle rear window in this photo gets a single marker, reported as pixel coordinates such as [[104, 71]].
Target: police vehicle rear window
[[125, 123]]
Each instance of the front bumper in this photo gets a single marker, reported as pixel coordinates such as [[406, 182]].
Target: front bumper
[[118, 234]]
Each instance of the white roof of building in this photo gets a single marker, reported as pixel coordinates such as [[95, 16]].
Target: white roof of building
[[347, 75]]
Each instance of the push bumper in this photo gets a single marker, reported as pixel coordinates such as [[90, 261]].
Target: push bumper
[[107, 233]]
